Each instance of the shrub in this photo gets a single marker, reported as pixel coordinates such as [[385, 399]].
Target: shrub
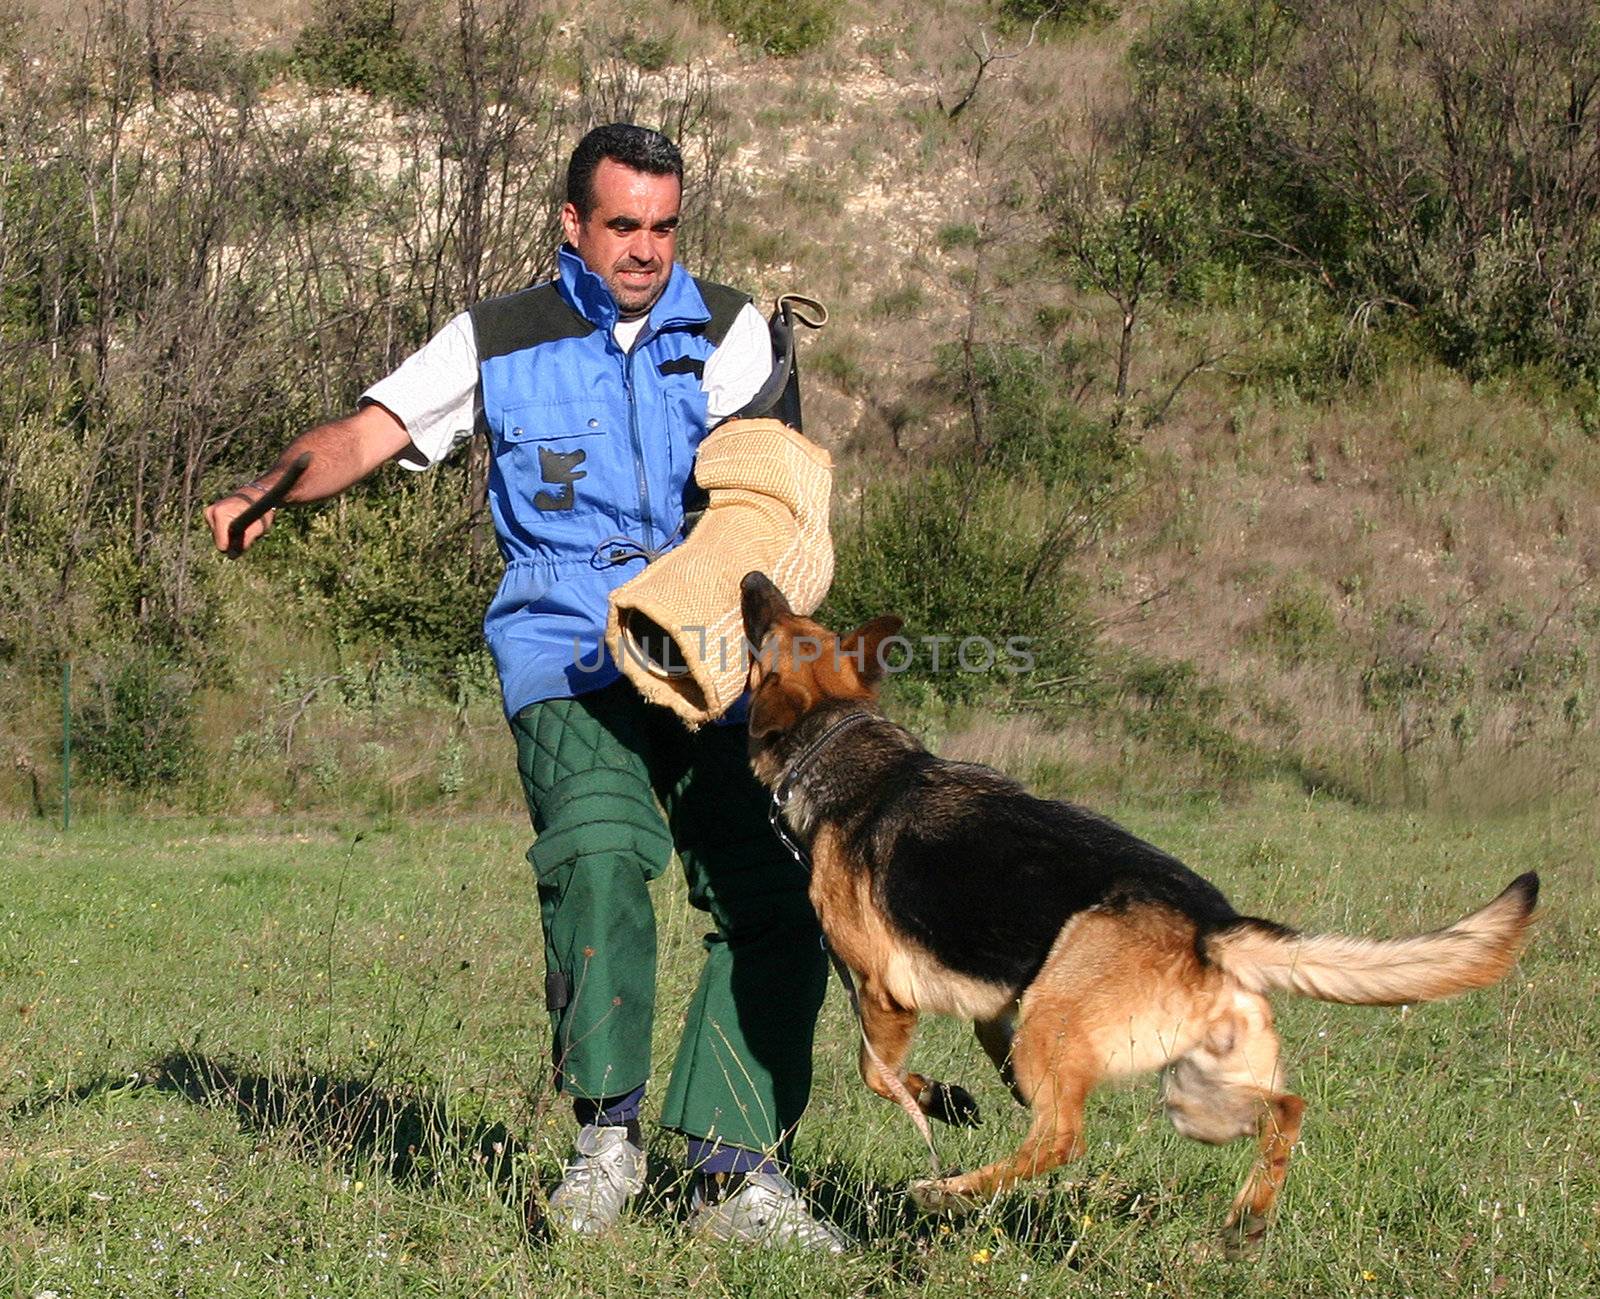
[[304, 180], [1411, 673], [979, 543], [1165, 703], [1060, 13], [1352, 147], [959, 555], [1299, 623], [136, 728], [646, 51], [1314, 350], [779, 27], [1031, 425], [398, 574], [360, 45], [957, 234]]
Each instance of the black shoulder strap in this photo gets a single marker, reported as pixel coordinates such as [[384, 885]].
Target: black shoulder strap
[[724, 304], [524, 319]]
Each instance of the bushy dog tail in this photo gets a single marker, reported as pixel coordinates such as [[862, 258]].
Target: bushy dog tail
[[1472, 953]]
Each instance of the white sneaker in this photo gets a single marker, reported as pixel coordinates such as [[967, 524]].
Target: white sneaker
[[606, 1172], [766, 1210]]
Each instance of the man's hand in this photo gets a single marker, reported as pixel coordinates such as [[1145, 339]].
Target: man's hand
[[221, 514]]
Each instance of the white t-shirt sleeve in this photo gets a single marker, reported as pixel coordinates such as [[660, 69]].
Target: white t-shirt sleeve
[[434, 393], [740, 365]]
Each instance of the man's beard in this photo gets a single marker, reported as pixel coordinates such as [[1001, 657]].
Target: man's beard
[[633, 302]]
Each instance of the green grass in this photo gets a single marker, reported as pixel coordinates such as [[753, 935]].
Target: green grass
[[261, 1057]]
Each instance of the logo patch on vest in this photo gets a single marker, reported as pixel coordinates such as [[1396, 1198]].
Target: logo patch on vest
[[684, 365], [560, 470]]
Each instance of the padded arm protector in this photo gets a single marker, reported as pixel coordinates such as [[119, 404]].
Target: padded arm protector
[[675, 630]]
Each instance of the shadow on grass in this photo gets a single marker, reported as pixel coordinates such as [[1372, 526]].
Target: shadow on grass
[[409, 1136], [413, 1137], [1044, 1219]]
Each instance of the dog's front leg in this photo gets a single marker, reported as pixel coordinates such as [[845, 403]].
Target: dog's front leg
[[994, 1036], [886, 1030], [1056, 1081]]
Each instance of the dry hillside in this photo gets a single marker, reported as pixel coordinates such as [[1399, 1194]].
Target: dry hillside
[[1376, 576]]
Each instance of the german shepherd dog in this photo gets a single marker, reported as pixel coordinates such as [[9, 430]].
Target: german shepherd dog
[[1079, 952]]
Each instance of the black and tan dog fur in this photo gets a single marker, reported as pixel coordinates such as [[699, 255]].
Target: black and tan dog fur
[[1080, 953]]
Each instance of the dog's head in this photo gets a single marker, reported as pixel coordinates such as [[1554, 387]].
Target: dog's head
[[798, 665]]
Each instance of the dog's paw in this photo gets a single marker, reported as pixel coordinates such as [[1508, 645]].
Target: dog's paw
[[950, 1104], [934, 1195], [1242, 1239]]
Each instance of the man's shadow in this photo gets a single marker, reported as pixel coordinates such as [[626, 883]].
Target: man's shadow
[[410, 1136], [413, 1137]]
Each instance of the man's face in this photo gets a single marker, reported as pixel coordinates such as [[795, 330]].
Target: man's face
[[630, 235]]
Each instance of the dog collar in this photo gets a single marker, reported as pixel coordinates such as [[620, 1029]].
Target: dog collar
[[784, 790]]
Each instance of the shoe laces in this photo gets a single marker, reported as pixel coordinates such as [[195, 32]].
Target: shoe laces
[[601, 1160], [779, 1205]]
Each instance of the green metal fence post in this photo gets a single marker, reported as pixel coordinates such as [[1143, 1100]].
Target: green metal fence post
[[66, 745]]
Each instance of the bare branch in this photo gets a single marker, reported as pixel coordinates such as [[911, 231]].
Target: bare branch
[[987, 55]]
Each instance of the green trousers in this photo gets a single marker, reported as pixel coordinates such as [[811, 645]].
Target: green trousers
[[594, 770]]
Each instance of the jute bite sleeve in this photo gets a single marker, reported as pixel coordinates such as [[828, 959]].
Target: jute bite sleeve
[[675, 630]]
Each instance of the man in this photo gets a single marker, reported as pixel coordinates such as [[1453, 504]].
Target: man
[[594, 391]]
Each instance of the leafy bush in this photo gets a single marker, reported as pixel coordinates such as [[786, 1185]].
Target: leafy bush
[[215, 65], [1032, 426], [978, 544], [399, 573], [961, 555], [1503, 310], [1060, 13], [1165, 703], [1411, 673], [644, 50], [1299, 623], [360, 45], [778, 27], [136, 728], [1412, 163], [304, 179]]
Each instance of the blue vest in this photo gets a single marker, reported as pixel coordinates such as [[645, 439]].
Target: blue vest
[[592, 451]]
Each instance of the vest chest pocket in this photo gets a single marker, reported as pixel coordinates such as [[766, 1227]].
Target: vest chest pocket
[[553, 455], [683, 402]]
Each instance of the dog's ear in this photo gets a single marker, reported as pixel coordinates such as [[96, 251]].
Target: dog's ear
[[775, 710], [762, 604], [864, 646]]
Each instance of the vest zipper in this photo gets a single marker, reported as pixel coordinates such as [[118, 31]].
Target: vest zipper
[[638, 444]]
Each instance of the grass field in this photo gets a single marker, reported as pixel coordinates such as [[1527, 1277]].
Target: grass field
[[246, 1058]]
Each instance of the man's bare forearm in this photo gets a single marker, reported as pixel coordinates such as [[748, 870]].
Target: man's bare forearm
[[343, 451]]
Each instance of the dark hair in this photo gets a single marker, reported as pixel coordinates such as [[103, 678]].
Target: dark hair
[[637, 147]]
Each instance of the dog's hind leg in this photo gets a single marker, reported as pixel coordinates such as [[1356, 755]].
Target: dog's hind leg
[[1279, 1129], [1229, 1087]]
